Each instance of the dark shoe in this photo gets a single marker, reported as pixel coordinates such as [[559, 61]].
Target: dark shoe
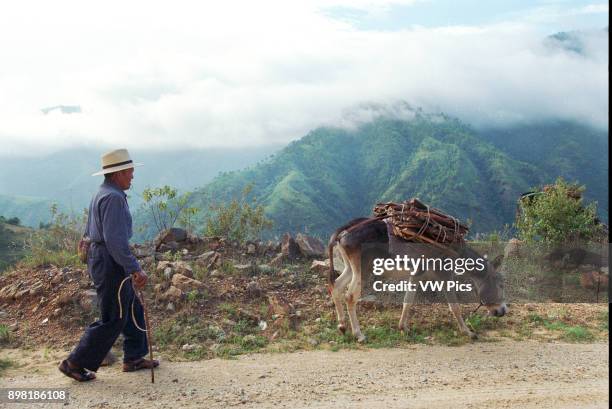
[[140, 364], [79, 374]]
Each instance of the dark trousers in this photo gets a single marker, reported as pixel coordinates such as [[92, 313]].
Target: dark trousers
[[100, 336]]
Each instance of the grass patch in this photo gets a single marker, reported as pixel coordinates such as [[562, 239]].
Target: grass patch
[[228, 309], [449, 337], [45, 257], [479, 323], [5, 364], [568, 332], [5, 334], [604, 320], [187, 330], [577, 334]]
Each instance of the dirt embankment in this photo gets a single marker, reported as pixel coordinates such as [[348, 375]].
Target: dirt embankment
[[493, 375]]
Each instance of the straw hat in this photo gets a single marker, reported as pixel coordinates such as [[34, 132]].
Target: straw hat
[[115, 161]]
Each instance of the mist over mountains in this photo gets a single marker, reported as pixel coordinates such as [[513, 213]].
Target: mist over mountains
[[376, 151], [334, 174]]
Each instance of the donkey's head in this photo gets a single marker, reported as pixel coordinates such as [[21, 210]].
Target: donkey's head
[[490, 288]]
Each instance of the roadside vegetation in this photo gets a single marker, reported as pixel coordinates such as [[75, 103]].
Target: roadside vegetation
[[248, 299]]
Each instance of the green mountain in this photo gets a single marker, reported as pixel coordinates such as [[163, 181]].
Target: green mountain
[[30, 210], [331, 175]]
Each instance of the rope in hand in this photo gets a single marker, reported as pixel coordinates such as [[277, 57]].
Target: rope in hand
[[138, 294]]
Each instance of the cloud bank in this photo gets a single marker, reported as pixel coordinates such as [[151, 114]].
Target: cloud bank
[[199, 74]]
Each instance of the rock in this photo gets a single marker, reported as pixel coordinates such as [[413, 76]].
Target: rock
[[161, 287], [168, 273], [36, 289], [210, 260], [174, 234], [183, 268], [162, 265], [20, 294], [289, 248], [214, 243], [170, 307], [189, 347], [142, 252], [319, 266], [245, 269], [513, 248], [251, 248], [278, 260], [171, 246], [253, 289], [205, 257], [57, 278], [148, 261], [310, 246], [185, 283], [88, 300], [63, 300], [173, 294]]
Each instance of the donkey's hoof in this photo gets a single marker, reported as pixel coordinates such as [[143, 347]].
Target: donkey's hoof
[[361, 338], [342, 328]]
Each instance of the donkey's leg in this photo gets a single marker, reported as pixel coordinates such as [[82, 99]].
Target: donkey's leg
[[338, 290], [353, 294], [456, 310], [407, 307]]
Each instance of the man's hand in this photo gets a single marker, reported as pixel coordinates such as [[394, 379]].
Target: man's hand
[[140, 279]]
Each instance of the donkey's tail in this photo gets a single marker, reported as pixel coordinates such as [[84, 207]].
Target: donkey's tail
[[331, 273]]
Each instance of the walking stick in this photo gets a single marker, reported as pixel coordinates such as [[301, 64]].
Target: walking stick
[[149, 334]]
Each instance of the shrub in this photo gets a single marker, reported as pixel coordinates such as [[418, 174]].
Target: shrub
[[239, 220], [556, 215], [57, 243], [168, 208]]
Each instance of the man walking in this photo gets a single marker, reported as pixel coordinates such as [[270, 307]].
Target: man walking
[[113, 269]]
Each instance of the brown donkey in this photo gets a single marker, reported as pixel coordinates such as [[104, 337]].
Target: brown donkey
[[350, 238]]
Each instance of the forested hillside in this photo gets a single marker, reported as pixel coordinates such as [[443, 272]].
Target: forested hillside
[[333, 174]]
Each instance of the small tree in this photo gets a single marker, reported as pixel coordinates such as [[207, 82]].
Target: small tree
[[14, 221], [167, 207], [556, 215], [57, 241], [238, 220]]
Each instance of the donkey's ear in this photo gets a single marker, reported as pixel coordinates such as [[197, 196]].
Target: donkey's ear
[[497, 262]]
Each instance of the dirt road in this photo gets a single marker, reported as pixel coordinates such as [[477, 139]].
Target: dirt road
[[480, 375]]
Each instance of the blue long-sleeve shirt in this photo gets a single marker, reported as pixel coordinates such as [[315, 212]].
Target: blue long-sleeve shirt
[[110, 222]]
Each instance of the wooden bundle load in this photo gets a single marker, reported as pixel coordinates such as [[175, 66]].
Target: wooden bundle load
[[417, 222]]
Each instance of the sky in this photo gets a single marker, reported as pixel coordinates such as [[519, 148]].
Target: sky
[[198, 74]]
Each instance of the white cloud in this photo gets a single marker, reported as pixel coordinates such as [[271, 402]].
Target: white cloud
[[246, 73]]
